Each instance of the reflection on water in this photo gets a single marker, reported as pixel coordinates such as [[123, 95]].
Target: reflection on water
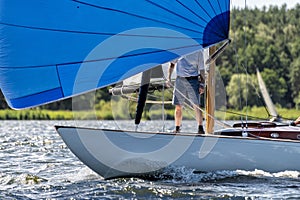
[[36, 164]]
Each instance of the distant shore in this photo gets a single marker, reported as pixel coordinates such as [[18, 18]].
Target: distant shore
[[255, 113]]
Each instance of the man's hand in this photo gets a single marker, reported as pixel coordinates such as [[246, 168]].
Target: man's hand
[[201, 88], [168, 83]]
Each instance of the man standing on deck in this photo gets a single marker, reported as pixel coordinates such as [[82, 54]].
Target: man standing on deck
[[189, 85]]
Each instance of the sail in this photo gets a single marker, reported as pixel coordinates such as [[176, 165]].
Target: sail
[[267, 99], [51, 50]]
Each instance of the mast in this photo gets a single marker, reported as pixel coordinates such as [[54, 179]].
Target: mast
[[210, 95]]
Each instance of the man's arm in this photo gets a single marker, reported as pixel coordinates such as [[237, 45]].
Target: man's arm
[[170, 71]]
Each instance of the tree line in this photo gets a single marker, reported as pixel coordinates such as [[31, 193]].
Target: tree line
[[267, 39]]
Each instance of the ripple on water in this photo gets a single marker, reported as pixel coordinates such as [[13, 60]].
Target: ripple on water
[[36, 164]]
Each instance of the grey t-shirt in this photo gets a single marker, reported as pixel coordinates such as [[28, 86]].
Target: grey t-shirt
[[190, 65]]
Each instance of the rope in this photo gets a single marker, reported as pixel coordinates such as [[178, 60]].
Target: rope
[[223, 124]]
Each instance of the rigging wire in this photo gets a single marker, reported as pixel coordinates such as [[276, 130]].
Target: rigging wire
[[242, 117], [246, 64], [190, 104], [163, 108]]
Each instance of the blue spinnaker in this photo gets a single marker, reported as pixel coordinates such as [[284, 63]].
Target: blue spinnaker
[[51, 50]]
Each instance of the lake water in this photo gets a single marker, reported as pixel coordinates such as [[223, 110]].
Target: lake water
[[36, 164]]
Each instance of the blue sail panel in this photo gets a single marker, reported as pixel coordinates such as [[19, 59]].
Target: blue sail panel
[[51, 50], [28, 86]]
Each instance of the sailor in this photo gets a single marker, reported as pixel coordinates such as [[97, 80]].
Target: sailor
[[189, 85], [296, 122]]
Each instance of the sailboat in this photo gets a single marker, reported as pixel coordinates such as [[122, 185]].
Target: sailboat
[[59, 49]]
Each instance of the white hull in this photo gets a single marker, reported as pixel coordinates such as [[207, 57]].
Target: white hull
[[113, 153]]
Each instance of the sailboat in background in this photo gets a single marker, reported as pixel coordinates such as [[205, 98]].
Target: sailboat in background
[[58, 49], [267, 99]]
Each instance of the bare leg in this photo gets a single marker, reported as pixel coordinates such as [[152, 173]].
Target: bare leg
[[199, 119], [178, 115], [198, 114]]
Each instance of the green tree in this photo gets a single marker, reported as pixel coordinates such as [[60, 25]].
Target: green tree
[[295, 80], [241, 91], [276, 86]]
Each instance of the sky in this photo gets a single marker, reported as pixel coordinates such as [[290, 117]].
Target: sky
[[261, 3]]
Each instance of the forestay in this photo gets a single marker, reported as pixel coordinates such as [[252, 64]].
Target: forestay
[[51, 50]]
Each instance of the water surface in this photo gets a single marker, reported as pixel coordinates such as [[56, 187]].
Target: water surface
[[36, 164]]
